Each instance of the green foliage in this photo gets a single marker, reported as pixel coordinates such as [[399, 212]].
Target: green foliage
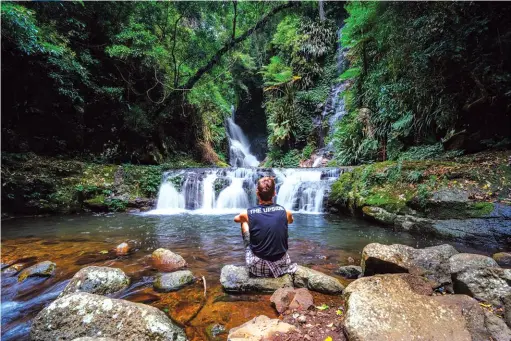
[[307, 151], [277, 158], [416, 67], [19, 25], [116, 205]]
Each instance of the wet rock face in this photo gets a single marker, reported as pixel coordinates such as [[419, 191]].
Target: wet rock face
[[173, 281], [167, 261], [100, 280], [383, 307], [237, 279], [42, 269], [431, 262], [83, 314], [289, 298], [259, 328], [492, 285], [350, 271], [503, 258]]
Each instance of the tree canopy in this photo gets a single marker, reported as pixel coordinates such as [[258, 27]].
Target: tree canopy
[[146, 81]]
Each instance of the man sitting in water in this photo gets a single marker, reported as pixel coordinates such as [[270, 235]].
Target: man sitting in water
[[264, 231]]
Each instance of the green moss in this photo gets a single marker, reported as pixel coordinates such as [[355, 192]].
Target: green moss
[[480, 209]]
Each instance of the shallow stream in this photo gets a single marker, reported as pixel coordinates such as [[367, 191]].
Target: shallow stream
[[207, 242]]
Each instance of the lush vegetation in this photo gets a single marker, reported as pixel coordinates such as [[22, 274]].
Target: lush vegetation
[[432, 74], [425, 188], [148, 82]]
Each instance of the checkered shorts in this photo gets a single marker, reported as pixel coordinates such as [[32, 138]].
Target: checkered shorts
[[264, 268]]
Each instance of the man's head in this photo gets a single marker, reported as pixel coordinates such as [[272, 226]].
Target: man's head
[[266, 189]]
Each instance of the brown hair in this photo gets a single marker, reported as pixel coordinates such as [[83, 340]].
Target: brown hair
[[266, 188]]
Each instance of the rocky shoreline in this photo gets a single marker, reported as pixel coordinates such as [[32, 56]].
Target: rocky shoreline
[[467, 199], [401, 293]]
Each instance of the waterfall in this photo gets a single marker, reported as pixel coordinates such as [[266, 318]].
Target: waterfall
[[230, 190], [334, 107], [234, 196], [239, 147], [169, 198]]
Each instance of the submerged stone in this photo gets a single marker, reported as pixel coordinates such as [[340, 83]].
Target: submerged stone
[[87, 315], [173, 281], [42, 269], [100, 280], [166, 260]]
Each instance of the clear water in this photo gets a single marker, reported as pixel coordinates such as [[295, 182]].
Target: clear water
[[207, 242]]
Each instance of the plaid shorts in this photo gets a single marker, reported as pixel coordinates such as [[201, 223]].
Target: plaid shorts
[[264, 268]]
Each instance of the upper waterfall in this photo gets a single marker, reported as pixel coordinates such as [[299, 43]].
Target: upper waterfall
[[239, 147]]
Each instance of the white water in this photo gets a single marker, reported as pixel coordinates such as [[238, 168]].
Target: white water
[[239, 147], [334, 108], [219, 191], [169, 198]]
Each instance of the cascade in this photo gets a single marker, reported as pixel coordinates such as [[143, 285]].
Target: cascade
[[334, 108], [239, 147], [229, 190]]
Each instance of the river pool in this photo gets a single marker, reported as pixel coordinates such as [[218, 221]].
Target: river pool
[[207, 242]]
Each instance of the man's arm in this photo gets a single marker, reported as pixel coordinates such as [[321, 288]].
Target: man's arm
[[289, 217], [241, 218]]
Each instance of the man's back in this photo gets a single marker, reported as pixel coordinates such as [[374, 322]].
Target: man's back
[[268, 231]]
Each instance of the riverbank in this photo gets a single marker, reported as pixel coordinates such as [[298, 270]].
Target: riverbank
[[36, 185], [467, 198]]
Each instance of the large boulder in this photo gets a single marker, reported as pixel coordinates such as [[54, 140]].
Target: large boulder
[[42, 269], [82, 314], [487, 284], [172, 281], [503, 258], [464, 261], [316, 281], [237, 279], [385, 307], [350, 271], [259, 328], [167, 261], [289, 298], [430, 262], [100, 280]]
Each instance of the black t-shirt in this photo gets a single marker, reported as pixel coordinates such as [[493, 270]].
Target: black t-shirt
[[268, 231]]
